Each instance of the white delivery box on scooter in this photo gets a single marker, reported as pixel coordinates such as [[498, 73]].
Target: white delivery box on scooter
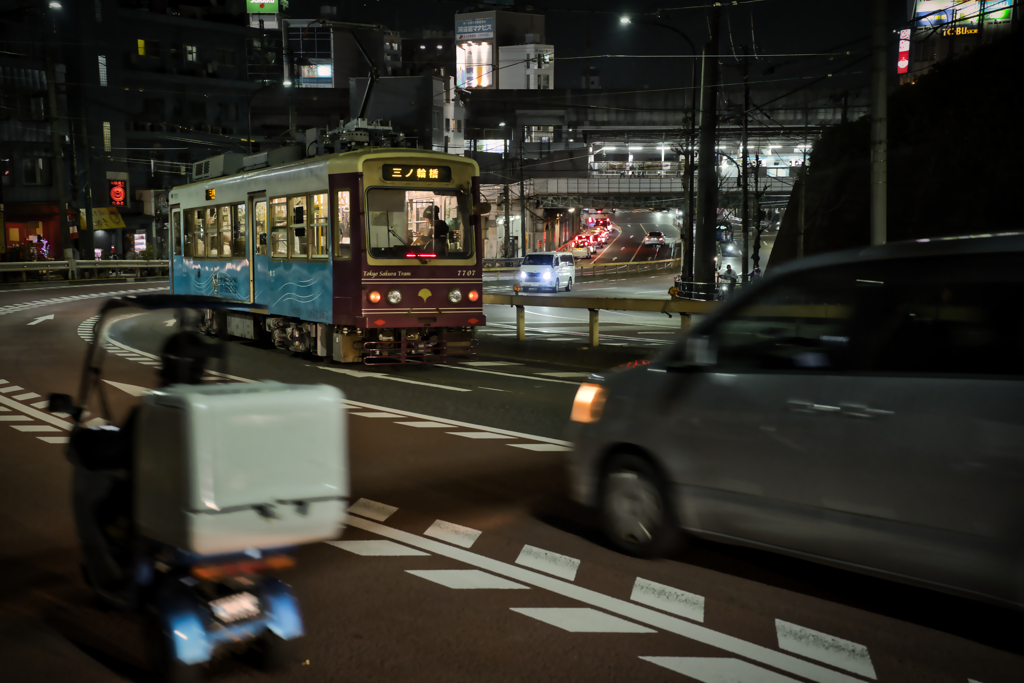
[[226, 468]]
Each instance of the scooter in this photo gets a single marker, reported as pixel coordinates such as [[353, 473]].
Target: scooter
[[161, 530]]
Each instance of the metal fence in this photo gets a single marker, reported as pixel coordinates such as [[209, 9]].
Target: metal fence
[[94, 269]]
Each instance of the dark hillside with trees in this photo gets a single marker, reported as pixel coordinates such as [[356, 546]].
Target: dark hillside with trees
[[954, 165]]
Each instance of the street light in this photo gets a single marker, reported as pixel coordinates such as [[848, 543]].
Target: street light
[[56, 5], [625, 20]]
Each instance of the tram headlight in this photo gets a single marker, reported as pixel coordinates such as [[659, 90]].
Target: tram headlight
[[473, 295], [374, 297], [394, 296], [455, 296]]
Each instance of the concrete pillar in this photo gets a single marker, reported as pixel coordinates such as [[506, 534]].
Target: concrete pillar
[[520, 322], [593, 326], [684, 322]]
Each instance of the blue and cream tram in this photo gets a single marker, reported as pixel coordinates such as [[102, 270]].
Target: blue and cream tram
[[343, 254]]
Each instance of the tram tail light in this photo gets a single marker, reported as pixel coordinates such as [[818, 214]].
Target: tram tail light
[[374, 297], [421, 255], [473, 295]]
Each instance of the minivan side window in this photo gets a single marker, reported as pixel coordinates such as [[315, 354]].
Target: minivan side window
[[801, 323], [947, 316]]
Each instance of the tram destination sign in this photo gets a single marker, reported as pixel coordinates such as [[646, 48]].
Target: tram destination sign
[[417, 172]]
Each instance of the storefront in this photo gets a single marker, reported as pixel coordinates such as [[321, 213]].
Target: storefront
[[33, 227]]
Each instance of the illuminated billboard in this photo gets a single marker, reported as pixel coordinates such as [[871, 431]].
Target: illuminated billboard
[[950, 14], [262, 6]]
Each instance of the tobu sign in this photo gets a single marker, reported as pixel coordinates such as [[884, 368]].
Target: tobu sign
[[117, 190]]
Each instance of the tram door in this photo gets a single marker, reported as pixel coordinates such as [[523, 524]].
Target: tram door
[[175, 250], [259, 273]]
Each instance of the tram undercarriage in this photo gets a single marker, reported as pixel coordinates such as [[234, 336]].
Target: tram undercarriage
[[346, 343]]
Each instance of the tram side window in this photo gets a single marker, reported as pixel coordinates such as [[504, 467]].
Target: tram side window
[[176, 233], [319, 225], [343, 243], [299, 241], [260, 226], [238, 232], [200, 234], [212, 246], [190, 231], [279, 231], [226, 216]]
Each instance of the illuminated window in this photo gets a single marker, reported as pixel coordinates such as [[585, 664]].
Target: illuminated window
[[343, 243], [473, 65], [319, 225], [279, 230], [191, 53], [176, 232], [142, 47], [106, 136], [102, 63], [259, 221]]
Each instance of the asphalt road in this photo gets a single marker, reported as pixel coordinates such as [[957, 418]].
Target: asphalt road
[[487, 573]]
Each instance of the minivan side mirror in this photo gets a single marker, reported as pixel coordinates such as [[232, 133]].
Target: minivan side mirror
[[696, 352]]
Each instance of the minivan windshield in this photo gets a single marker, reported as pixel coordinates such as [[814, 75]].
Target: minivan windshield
[[538, 260]]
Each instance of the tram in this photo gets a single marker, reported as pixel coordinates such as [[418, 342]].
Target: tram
[[343, 255]]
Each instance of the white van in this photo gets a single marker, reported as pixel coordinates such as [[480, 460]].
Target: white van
[[546, 270]]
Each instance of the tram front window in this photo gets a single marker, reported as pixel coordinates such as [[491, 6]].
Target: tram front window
[[405, 223]]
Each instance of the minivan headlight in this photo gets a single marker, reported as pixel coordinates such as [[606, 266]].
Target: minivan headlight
[[522, 274], [589, 403], [547, 274]]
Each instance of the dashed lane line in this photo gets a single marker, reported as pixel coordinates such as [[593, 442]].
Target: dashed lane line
[[463, 579], [581, 620], [837, 652], [627, 610], [556, 564]]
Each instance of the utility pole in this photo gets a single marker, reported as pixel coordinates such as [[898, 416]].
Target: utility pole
[[879, 125], [508, 222], [744, 197], [757, 212], [803, 207], [707, 185], [522, 188]]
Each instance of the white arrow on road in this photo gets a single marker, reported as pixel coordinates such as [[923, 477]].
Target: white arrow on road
[[377, 375], [39, 320], [170, 322]]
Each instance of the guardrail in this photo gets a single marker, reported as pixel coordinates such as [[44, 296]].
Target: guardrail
[[608, 269], [684, 308], [26, 267]]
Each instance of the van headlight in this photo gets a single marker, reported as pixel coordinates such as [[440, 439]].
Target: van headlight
[[522, 274], [547, 274], [588, 404]]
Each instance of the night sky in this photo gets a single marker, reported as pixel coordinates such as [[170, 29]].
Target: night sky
[[774, 26]]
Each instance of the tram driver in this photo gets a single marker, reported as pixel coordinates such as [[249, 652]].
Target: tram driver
[[440, 234]]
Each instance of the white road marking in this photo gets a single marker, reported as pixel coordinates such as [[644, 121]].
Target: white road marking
[[41, 404], [456, 534], [719, 670], [375, 415], [669, 599], [170, 323], [565, 374], [837, 652], [34, 428], [540, 447], [32, 412], [130, 389], [25, 397], [358, 373], [3, 381], [39, 320], [556, 564], [506, 374], [7, 390], [377, 548], [504, 391], [425, 425], [14, 418], [488, 363], [624, 608], [581, 620], [371, 509], [54, 439], [481, 435], [465, 579]]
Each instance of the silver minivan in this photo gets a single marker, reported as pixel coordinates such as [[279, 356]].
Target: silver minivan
[[546, 270], [862, 409]]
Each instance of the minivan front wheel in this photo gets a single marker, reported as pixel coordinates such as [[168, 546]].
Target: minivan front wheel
[[635, 510], [568, 285], [557, 286]]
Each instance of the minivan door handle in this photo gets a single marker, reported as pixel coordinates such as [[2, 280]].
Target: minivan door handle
[[863, 412]]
